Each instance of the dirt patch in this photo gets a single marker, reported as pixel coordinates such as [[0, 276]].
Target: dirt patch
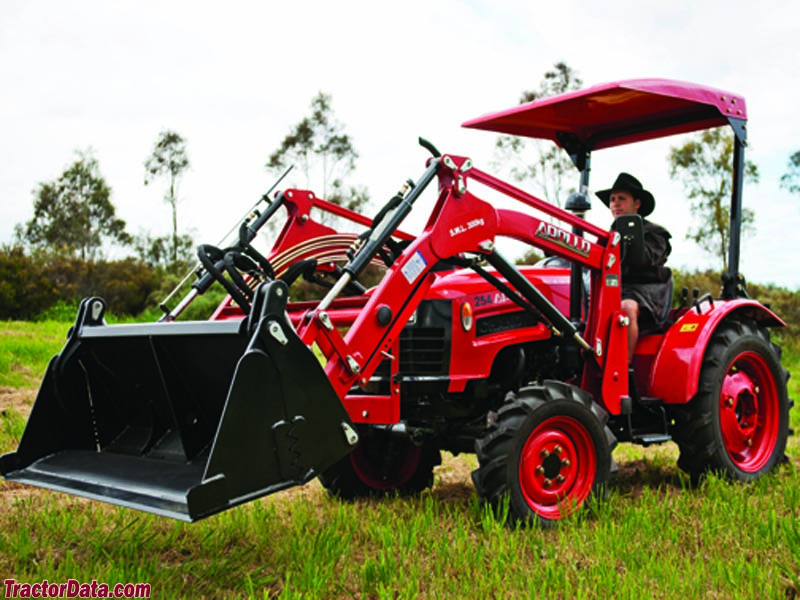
[[19, 400], [11, 492], [311, 492], [455, 469], [452, 478]]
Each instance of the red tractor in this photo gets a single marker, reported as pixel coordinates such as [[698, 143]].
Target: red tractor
[[456, 349]]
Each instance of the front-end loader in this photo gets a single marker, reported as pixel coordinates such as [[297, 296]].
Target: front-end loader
[[456, 349]]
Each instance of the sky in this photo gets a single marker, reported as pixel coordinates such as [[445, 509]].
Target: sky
[[232, 78]]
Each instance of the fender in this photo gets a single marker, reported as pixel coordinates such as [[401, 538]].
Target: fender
[[681, 354]]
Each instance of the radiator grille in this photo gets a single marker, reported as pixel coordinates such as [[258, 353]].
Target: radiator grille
[[504, 322], [423, 351]]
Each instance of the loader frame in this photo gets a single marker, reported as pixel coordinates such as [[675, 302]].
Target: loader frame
[[461, 223]]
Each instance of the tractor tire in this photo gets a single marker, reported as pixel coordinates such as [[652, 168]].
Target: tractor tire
[[547, 450], [381, 465], [737, 424]]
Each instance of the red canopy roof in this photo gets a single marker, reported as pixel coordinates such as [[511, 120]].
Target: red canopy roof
[[612, 114]]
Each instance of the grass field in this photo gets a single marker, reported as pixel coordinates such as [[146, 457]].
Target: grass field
[[654, 537]]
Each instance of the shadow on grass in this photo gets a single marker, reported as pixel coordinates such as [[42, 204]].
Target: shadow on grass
[[635, 475], [456, 493]]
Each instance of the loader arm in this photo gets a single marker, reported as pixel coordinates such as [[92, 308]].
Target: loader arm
[[302, 237], [461, 223]]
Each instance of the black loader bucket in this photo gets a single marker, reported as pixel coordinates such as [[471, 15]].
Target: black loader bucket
[[182, 419]]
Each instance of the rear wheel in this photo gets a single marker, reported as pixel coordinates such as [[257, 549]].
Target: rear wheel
[[381, 464], [738, 422], [547, 450]]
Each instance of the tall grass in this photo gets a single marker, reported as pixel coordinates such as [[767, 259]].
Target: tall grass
[[721, 541], [25, 350], [654, 536]]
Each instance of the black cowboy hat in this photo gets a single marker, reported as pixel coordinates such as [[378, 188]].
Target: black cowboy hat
[[629, 183]]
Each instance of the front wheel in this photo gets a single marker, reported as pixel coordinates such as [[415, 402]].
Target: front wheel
[[738, 422], [382, 464], [547, 450]]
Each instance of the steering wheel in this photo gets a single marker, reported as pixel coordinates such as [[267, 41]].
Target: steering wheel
[[234, 261]]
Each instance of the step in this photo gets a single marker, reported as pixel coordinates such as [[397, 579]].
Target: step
[[650, 400], [647, 439]]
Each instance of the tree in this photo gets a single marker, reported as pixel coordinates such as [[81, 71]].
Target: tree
[[705, 167], [323, 152], [159, 251], [791, 179], [169, 158], [74, 213], [540, 162]]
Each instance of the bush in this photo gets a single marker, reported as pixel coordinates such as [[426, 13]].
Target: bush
[[783, 302], [125, 285], [61, 311], [25, 289], [52, 286]]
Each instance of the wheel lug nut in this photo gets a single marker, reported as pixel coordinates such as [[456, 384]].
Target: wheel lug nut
[[729, 401], [540, 470], [558, 450], [757, 390], [547, 483], [566, 462], [544, 453], [748, 442], [560, 479]]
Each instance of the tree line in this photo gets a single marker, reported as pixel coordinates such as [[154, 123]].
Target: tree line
[[74, 219], [59, 254], [74, 216]]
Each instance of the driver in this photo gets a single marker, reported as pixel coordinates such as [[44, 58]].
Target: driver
[[645, 287]]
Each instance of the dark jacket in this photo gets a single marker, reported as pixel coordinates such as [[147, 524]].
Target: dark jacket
[[649, 283]]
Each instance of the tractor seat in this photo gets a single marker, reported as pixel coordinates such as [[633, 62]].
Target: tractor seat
[[646, 325], [662, 321]]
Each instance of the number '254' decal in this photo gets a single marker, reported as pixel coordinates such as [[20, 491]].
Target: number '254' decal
[[489, 299]]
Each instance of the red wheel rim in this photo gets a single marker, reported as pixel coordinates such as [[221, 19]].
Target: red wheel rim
[[557, 467], [749, 412], [372, 473]]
